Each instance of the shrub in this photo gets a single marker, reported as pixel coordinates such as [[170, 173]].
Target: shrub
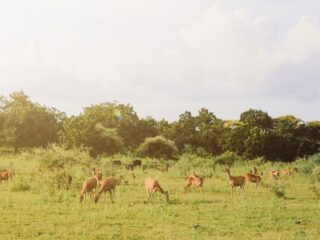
[[227, 158], [188, 163], [306, 165], [279, 189], [158, 147], [107, 141], [20, 185], [56, 157], [316, 174], [316, 181]]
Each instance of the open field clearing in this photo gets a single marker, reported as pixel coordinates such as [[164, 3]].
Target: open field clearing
[[30, 209]]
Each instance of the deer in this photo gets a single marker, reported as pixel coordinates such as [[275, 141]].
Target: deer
[[153, 186], [235, 181], [286, 173], [64, 180], [275, 174], [107, 185], [253, 178], [5, 175], [254, 170], [194, 180], [90, 183]]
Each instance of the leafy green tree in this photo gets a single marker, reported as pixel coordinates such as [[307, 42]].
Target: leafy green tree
[[27, 124], [234, 137], [102, 127], [256, 118], [147, 127], [308, 135], [185, 131], [209, 131]]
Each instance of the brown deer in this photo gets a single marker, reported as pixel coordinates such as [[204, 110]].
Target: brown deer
[[154, 186], [90, 184], [194, 180], [253, 178], [107, 185], [254, 170], [5, 175], [235, 181], [286, 173], [64, 180], [275, 174]]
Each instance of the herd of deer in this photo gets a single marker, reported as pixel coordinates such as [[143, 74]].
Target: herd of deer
[[153, 186], [96, 185]]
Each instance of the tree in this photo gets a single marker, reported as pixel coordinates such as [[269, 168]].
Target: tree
[[185, 131], [102, 126], [209, 131], [256, 118], [27, 124]]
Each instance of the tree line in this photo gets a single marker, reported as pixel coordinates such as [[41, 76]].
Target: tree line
[[110, 128]]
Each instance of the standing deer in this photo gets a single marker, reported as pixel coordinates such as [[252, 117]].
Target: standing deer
[[253, 178], [194, 180], [5, 175], [254, 170], [235, 181], [154, 186]]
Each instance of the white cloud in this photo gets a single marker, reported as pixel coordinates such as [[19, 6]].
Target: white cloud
[[164, 57], [235, 45]]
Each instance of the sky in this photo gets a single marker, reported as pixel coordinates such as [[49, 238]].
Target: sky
[[164, 56]]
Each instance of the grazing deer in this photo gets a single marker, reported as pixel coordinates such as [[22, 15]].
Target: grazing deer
[[235, 181], [275, 174], [253, 178], [107, 185], [154, 186], [286, 173], [194, 180], [90, 184]]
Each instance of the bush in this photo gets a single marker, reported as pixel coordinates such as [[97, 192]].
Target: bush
[[279, 189], [188, 163], [107, 141], [20, 185], [158, 147], [227, 158], [306, 165], [316, 181], [316, 174], [56, 157]]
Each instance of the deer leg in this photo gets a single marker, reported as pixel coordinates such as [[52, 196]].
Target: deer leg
[[111, 195], [149, 195], [185, 187]]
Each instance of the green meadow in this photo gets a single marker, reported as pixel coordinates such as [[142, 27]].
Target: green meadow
[[32, 207]]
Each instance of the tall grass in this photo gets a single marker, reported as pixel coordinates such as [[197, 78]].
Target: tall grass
[[30, 210]]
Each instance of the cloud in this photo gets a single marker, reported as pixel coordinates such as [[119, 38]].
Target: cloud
[[164, 58], [242, 49]]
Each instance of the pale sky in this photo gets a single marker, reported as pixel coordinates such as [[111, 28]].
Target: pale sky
[[164, 56]]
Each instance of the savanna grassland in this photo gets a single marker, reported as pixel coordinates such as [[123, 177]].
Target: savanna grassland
[[32, 207]]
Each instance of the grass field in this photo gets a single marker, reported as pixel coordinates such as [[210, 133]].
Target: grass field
[[30, 210]]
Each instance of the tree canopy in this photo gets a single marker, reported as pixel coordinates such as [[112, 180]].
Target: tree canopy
[[110, 128]]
